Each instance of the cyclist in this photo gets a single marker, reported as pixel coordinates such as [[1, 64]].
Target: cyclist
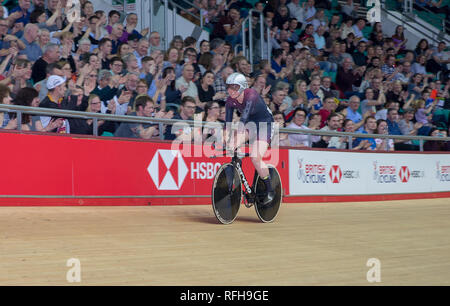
[[253, 109]]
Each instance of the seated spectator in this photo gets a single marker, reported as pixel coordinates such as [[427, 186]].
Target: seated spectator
[[211, 114], [383, 144], [29, 97], [369, 104], [56, 86], [416, 86], [298, 122], [144, 107], [5, 118], [206, 90], [184, 133], [359, 56], [408, 127], [433, 145], [399, 39], [314, 100], [296, 10], [352, 112], [329, 106], [424, 112], [328, 89], [333, 125], [439, 60], [370, 125], [86, 126], [349, 127], [283, 138], [124, 98]]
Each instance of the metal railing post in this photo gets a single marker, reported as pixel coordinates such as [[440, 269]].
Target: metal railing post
[[166, 24], [95, 126], [421, 145], [269, 48], [261, 35], [350, 142], [250, 38], [19, 120], [244, 47], [150, 11], [174, 21]]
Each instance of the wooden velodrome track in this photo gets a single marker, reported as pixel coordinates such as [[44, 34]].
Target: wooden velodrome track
[[309, 244]]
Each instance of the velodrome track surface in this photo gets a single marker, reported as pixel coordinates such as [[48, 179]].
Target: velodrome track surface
[[308, 244]]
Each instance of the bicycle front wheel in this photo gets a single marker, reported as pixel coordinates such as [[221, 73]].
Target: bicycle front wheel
[[226, 194], [269, 212]]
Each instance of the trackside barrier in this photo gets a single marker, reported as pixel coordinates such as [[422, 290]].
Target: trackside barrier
[[48, 170]]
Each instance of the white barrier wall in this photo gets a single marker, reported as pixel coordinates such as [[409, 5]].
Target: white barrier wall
[[344, 173]]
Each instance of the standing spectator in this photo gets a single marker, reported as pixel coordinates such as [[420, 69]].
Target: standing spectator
[[186, 84], [347, 77], [51, 54], [31, 48]]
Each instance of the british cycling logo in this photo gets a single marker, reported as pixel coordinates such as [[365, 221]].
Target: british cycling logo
[[442, 172], [385, 174], [312, 173], [168, 170]]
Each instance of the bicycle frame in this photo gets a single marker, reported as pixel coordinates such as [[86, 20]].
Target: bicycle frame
[[248, 191]]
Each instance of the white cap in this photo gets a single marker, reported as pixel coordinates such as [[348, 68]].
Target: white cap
[[54, 81]]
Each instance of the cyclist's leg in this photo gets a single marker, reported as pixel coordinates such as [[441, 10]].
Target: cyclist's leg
[[258, 150]]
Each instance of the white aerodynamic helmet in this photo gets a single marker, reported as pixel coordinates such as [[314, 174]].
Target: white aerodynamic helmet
[[238, 79]]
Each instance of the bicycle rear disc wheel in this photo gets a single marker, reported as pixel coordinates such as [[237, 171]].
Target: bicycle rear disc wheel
[[226, 194], [269, 212]]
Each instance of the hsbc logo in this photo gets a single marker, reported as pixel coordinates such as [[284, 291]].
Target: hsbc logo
[[335, 174], [168, 170], [404, 174]]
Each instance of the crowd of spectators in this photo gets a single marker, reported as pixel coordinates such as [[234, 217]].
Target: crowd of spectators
[[329, 70]]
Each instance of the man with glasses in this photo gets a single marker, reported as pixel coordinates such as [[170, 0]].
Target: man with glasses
[[182, 132], [186, 84], [125, 96], [155, 41], [141, 50], [359, 56]]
